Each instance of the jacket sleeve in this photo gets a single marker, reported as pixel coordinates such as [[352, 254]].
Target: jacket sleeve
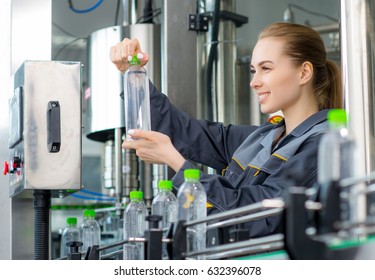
[[209, 143], [224, 196]]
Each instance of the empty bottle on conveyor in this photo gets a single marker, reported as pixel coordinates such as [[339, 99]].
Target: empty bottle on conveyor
[[135, 226], [164, 204]]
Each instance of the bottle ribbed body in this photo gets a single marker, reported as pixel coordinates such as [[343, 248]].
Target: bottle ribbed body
[[136, 99], [90, 231], [192, 201], [134, 226], [337, 157], [69, 234], [164, 204]]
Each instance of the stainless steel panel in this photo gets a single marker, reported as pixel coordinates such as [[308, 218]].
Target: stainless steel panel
[[41, 83]]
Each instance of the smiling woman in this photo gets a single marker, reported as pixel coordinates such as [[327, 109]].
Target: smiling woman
[[291, 74]]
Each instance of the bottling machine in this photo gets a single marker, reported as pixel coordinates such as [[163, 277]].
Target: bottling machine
[[46, 119]]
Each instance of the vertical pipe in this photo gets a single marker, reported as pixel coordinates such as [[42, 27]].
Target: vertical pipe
[[357, 48], [118, 164], [226, 99], [129, 12], [42, 209]]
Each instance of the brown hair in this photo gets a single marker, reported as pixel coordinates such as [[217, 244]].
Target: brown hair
[[302, 44]]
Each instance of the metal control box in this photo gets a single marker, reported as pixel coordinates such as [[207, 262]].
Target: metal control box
[[45, 128]]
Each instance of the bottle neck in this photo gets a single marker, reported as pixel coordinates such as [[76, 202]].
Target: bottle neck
[[191, 180], [337, 126]]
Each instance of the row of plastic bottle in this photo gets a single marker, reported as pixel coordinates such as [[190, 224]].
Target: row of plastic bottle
[[164, 204], [88, 233], [190, 204]]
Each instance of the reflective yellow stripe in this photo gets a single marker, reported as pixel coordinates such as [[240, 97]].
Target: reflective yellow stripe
[[255, 167], [223, 171], [280, 157], [236, 160], [209, 205]]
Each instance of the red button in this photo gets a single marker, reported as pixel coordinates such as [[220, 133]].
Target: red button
[[6, 168]]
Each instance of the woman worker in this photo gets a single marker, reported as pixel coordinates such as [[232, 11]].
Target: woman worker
[[291, 73]]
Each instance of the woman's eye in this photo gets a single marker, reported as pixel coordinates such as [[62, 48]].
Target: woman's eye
[[252, 71], [264, 68]]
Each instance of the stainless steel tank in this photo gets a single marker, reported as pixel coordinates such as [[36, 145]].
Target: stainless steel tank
[[104, 110]]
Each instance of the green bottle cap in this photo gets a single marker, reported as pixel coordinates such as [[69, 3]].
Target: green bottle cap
[[165, 185], [337, 116], [71, 221], [89, 213], [136, 195], [135, 60], [192, 174]]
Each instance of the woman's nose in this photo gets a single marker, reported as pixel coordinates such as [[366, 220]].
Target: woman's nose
[[255, 81]]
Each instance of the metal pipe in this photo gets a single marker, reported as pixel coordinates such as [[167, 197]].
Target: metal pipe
[[118, 164], [247, 251], [42, 209], [238, 245], [264, 204], [226, 83], [247, 218], [357, 41], [129, 12], [328, 28]]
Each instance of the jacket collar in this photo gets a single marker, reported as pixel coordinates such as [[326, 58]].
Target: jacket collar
[[310, 122]]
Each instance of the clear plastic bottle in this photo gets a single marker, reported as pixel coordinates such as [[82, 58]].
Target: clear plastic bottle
[[336, 149], [135, 226], [89, 230], [164, 204], [69, 234], [192, 201], [337, 156], [136, 98]]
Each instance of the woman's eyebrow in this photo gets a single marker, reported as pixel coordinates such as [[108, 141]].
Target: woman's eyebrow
[[262, 62]]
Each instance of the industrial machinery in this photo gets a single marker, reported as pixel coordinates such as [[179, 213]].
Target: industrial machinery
[[45, 139], [194, 50]]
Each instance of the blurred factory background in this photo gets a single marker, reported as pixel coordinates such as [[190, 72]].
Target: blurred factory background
[[51, 30]]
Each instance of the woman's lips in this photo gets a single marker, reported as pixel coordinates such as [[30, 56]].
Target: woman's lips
[[262, 96]]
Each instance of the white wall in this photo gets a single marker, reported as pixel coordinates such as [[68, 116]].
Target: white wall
[[4, 92]]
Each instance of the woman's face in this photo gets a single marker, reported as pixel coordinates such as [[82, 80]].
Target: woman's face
[[275, 79]]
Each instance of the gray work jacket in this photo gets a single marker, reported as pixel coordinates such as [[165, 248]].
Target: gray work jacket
[[251, 167]]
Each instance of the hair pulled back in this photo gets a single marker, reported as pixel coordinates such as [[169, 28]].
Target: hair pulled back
[[302, 43]]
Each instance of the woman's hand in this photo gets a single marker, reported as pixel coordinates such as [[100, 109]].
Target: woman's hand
[[123, 52], [154, 147]]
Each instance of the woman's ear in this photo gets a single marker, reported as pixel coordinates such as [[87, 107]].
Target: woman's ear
[[307, 70]]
